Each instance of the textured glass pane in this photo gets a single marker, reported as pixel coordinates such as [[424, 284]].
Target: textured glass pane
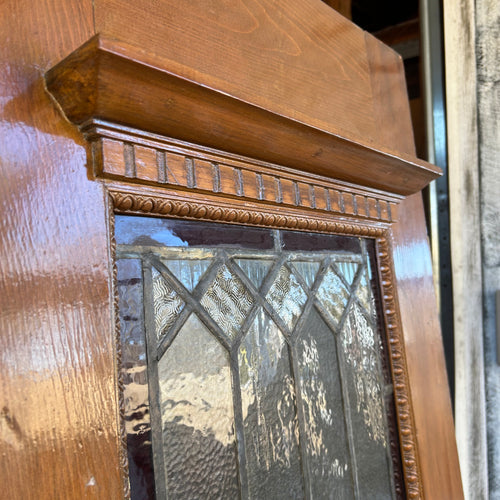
[[364, 293], [325, 442], [269, 413], [364, 379], [348, 270], [287, 297], [135, 380], [148, 231], [197, 416], [328, 441], [308, 271], [188, 272], [255, 269], [333, 294], [167, 304], [227, 301], [293, 240]]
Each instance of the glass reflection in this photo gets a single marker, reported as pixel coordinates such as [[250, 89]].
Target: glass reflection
[[269, 414], [303, 387], [197, 416], [135, 379]]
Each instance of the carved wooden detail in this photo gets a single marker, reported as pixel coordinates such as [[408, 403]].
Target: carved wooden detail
[[119, 374], [398, 367], [137, 157], [107, 80], [185, 206]]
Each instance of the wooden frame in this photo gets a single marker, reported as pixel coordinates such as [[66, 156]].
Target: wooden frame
[[328, 80], [194, 204]]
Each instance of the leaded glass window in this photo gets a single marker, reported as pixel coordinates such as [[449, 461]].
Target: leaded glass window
[[253, 363]]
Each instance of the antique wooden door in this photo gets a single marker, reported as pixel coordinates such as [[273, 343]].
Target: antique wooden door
[[215, 271]]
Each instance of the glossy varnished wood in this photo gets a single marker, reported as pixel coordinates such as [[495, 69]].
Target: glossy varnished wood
[[58, 410], [282, 56], [115, 81], [134, 156], [296, 60], [429, 390]]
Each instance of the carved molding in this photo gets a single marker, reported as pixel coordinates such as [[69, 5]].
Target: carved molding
[[118, 353], [402, 396], [126, 202], [140, 158], [111, 80]]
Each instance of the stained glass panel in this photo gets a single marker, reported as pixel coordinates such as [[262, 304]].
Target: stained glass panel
[[167, 304], [255, 269], [135, 378], [325, 441], [308, 270], [365, 393], [291, 365], [188, 271], [287, 297], [364, 293], [333, 295], [348, 270]]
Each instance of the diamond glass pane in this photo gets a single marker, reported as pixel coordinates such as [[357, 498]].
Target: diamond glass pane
[[197, 416], [287, 297], [333, 295], [167, 304], [227, 301]]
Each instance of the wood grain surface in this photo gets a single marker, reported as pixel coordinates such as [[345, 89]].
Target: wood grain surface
[[114, 81], [432, 410], [466, 234], [58, 412], [59, 429], [299, 59]]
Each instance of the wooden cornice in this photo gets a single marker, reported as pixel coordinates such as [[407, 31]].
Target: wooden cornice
[[109, 80], [135, 157]]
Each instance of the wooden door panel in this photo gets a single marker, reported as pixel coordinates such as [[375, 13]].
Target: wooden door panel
[[58, 405], [61, 432]]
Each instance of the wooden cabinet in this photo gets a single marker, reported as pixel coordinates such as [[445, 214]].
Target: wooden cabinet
[[268, 114]]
